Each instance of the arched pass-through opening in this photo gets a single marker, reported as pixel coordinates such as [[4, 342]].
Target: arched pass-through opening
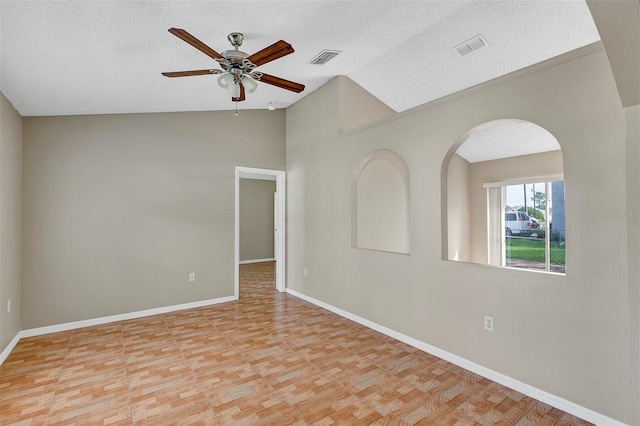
[[279, 221], [502, 192]]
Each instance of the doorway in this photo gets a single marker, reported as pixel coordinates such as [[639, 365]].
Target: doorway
[[278, 221]]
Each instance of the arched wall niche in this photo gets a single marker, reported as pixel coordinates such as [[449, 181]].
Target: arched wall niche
[[380, 203], [505, 150]]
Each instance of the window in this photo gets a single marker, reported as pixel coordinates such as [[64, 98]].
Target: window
[[526, 225]]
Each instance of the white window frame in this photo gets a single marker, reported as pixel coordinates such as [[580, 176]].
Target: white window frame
[[492, 236]]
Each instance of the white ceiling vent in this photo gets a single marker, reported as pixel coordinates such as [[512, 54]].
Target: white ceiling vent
[[470, 46], [324, 57]]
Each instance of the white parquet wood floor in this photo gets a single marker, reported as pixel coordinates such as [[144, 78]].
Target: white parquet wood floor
[[266, 359]]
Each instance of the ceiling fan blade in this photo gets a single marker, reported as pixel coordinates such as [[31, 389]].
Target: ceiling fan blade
[[241, 98], [276, 50], [282, 83], [185, 36], [186, 73]]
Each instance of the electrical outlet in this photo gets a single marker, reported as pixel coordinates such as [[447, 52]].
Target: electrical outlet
[[192, 277], [488, 323], [9, 306], [305, 272]]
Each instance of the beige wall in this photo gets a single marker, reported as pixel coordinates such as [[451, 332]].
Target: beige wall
[[567, 335], [10, 218], [546, 164], [119, 209], [352, 97], [633, 223], [459, 210], [256, 219], [618, 24]]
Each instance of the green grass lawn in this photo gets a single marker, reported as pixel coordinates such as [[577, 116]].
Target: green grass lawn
[[533, 249]]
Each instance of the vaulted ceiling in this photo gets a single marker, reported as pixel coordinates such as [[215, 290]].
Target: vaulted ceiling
[[95, 57]]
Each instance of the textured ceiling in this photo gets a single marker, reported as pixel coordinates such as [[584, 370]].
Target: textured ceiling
[[506, 138], [94, 57]]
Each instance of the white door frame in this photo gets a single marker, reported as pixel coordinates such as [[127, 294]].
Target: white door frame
[[279, 221]]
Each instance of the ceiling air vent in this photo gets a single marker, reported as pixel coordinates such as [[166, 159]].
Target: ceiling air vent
[[471, 46], [324, 57]]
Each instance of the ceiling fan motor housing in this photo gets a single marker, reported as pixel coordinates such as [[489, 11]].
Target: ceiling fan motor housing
[[237, 55]]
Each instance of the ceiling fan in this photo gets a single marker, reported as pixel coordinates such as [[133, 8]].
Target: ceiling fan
[[238, 68]]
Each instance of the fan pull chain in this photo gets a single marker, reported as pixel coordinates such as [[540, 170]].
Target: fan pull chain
[[236, 108]]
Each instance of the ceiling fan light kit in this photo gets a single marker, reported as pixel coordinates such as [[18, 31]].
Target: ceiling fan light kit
[[238, 74]]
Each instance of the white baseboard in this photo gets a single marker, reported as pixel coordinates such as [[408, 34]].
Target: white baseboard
[[121, 317], [244, 262], [12, 344], [540, 395], [105, 320]]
